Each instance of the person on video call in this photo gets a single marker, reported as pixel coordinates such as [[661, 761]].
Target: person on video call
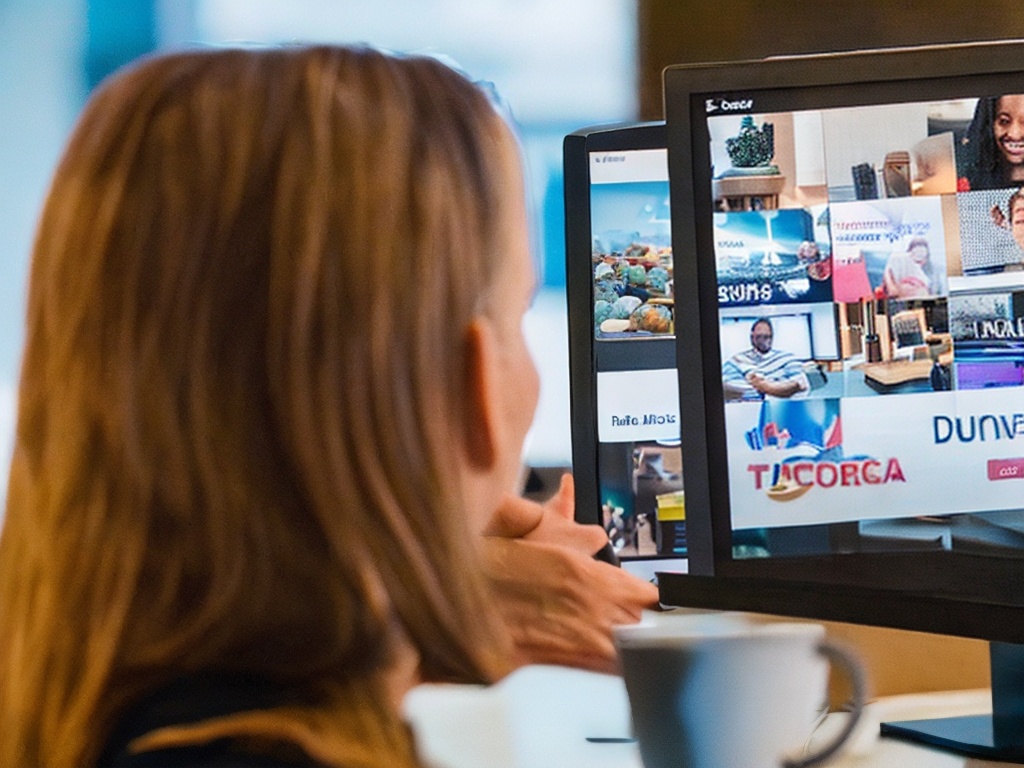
[[762, 370], [809, 254], [991, 153], [1013, 219], [253, 500], [910, 274]]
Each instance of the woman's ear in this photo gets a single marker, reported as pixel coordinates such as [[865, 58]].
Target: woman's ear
[[480, 438]]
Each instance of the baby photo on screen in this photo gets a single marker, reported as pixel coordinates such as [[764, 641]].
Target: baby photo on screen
[[991, 231], [888, 249]]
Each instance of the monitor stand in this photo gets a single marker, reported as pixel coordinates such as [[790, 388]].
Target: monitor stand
[[999, 736]]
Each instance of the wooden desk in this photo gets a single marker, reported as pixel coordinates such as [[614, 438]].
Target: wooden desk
[[890, 375], [748, 193], [869, 750]]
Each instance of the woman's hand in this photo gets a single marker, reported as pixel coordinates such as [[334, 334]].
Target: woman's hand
[[559, 603]]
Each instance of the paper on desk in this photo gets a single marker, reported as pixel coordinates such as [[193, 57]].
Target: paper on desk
[[537, 717]]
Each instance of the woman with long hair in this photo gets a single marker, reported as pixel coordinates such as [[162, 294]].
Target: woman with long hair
[[274, 388], [991, 153]]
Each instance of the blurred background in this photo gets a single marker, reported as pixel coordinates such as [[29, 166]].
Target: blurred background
[[560, 64]]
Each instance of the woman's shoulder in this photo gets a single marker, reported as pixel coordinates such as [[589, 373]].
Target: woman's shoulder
[[192, 700], [222, 753]]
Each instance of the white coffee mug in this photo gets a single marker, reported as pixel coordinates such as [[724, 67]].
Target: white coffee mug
[[731, 694]]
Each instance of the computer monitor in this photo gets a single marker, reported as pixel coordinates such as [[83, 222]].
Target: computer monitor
[[893, 493], [620, 297]]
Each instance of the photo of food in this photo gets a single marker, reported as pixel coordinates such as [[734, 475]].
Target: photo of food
[[632, 260]]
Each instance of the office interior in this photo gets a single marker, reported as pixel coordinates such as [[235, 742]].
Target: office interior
[[54, 50]]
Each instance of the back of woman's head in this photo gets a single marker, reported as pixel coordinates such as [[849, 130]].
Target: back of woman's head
[[978, 156], [242, 377]]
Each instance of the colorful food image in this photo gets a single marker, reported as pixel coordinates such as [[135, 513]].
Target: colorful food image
[[655, 318], [633, 291], [657, 280], [625, 306], [787, 490]]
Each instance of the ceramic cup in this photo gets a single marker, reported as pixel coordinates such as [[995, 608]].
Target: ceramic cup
[[731, 694]]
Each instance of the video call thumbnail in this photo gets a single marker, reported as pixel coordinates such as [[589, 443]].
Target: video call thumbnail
[[632, 259], [642, 503], [771, 257], [989, 241], [888, 249]]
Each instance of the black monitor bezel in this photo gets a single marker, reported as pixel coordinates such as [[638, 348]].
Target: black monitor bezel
[[579, 284], [849, 587]]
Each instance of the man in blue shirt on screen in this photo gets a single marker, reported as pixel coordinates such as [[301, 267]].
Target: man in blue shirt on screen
[[759, 371]]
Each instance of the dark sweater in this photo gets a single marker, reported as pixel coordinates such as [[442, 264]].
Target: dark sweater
[[193, 700]]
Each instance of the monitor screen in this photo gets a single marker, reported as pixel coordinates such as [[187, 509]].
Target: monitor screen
[[627, 460], [877, 477]]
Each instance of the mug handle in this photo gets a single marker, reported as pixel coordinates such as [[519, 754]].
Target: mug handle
[[838, 657]]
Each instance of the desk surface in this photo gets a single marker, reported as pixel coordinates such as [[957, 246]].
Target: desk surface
[[868, 750], [541, 717], [852, 382]]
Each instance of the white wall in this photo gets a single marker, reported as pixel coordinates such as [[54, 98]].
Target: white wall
[[551, 59]]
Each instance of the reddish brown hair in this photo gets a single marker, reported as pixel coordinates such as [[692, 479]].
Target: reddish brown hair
[[240, 390]]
